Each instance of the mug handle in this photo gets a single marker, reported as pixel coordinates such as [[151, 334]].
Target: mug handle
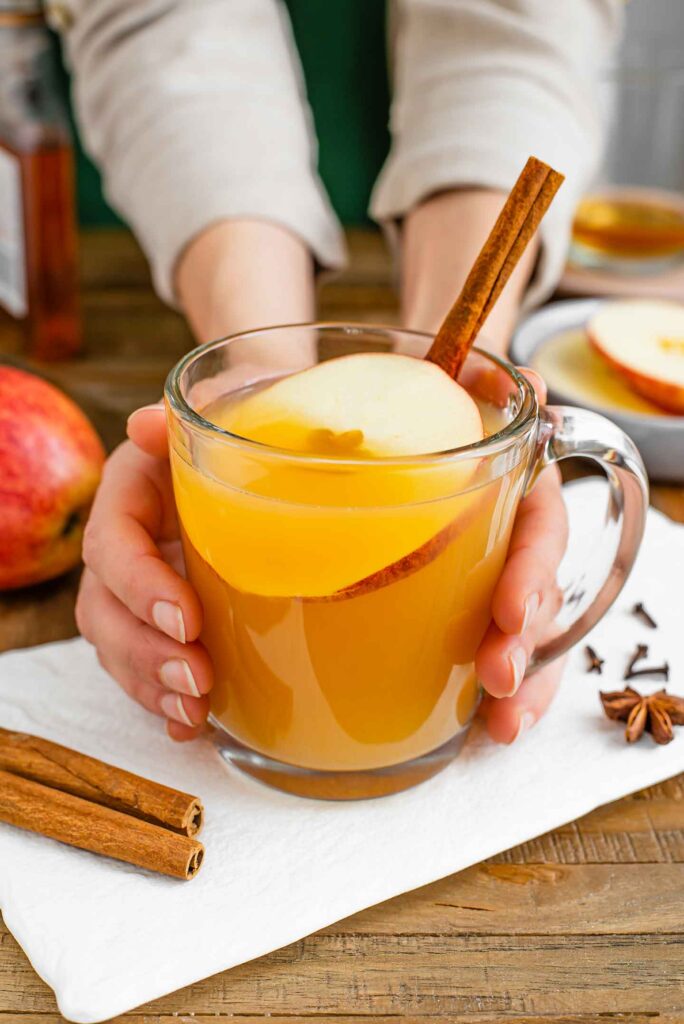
[[566, 433]]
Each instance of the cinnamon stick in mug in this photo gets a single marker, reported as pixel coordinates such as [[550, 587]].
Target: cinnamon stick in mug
[[72, 772], [90, 826], [526, 204]]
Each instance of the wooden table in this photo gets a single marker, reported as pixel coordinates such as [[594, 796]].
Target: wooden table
[[585, 924]]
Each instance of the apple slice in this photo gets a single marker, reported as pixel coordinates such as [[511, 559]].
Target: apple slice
[[280, 527], [473, 505], [644, 342], [367, 405]]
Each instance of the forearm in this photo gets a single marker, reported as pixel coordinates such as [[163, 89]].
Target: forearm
[[478, 87], [241, 274], [440, 240], [196, 114]]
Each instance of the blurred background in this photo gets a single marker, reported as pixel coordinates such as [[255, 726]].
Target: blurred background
[[342, 47], [343, 51]]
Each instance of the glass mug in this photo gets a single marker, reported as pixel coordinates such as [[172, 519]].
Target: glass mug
[[344, 599]]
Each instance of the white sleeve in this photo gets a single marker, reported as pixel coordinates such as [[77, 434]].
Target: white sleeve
[[479, 85], [196, 112]]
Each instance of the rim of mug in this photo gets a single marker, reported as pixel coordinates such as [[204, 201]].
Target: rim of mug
[[493, 444]]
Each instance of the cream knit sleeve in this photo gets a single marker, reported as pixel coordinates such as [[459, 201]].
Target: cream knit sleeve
[[479, 85], [196, 112]]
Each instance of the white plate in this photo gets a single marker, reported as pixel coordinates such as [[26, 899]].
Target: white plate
[[660, 439]]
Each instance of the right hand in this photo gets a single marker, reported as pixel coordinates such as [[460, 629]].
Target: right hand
[[135, 605]]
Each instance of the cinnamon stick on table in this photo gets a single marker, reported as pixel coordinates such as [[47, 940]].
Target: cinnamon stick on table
[[522, 212], [90, 826], [72, 772]]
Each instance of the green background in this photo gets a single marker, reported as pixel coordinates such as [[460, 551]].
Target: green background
[[342, 48]]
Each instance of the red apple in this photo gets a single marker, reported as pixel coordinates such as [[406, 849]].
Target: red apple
[[643, 340], [50, 464]]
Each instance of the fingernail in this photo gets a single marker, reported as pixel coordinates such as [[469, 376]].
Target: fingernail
[[531, 607], [146, 408], [525, 722], [173, 707], [518, 662], [177, 675], [169, 618]]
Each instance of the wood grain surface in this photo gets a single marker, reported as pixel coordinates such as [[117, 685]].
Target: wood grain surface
[[584, 924]]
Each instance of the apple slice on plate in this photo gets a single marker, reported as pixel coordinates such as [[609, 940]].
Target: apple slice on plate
[[643, 340]]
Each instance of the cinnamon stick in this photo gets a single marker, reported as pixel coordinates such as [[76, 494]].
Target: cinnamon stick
[[90, 826], [522, 212], [72, 772]]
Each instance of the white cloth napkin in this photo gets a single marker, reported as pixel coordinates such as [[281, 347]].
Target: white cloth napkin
[[108, 937]]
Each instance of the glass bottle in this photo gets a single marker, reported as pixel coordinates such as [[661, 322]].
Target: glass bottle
[[38, 237]]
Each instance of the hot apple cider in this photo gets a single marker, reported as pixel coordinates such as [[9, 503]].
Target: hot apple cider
[[346, 496], [346, 579]]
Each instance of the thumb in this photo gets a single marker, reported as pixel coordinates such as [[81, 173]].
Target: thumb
[[146, 428], [536, 381]]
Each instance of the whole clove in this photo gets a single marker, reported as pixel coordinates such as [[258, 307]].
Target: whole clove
[[645, 616], [651, 670], [640, 653], [595, 662]]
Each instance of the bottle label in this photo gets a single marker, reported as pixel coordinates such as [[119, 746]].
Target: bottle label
[[12, 241]]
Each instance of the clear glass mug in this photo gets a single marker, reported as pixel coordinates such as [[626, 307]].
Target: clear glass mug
[[344, 599]]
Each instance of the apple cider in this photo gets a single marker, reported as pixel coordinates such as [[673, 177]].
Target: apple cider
[[345, 507], [344, 597]]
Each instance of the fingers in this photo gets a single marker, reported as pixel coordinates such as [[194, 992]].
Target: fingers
[[182, 733], [166, 677], [506, 720], [134, 605], [536, 381], [146, 427], [133, 505], [501, 660], [524, 607], [492, 383], [537, 545]]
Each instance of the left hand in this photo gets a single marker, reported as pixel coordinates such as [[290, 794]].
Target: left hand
[[524, 606]]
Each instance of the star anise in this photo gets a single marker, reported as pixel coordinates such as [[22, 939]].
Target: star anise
[[656, 713]]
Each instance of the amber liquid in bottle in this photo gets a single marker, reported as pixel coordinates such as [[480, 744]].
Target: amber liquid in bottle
[[52, 327], [39, 302]]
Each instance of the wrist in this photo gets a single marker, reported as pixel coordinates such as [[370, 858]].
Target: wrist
[[239, 275], [441, 238]]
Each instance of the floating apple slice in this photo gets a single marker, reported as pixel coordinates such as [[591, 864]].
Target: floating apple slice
[[335, 522], [472, 505], [367, 405], [644, 342]]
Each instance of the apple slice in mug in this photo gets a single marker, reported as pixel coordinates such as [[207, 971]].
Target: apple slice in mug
[[366, 405], [643, 340], [356, 514]]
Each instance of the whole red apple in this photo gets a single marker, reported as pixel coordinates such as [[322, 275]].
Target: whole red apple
[[50, 464]]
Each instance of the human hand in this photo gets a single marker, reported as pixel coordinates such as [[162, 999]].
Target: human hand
[[134, 605], [525, 603]]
